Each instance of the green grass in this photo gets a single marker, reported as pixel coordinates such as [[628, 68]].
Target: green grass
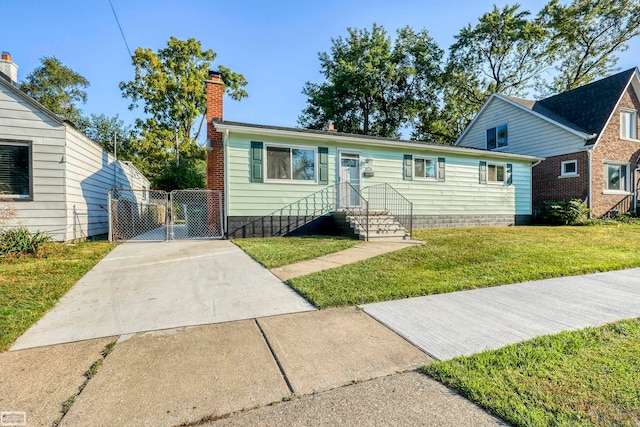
[[31, 286], [458, 259], [278, 251], [586, 377]]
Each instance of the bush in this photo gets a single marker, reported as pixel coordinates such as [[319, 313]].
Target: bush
[[566, 212], [20, 241]]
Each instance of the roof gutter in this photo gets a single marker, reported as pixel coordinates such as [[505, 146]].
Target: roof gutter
[[374, 142]]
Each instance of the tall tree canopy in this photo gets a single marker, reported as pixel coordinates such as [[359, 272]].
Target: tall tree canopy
[[58, 88], [372, 85], [107, 130], [169, 84], [586, 35]]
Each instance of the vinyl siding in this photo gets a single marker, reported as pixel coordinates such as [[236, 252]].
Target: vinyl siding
[[70, 173], [19, 121], [527, 133], [460, 194], [91, 172]]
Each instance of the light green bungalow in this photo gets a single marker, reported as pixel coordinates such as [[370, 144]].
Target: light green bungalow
[[279, 181]]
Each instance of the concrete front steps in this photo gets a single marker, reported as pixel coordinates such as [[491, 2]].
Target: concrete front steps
[[382, 226]]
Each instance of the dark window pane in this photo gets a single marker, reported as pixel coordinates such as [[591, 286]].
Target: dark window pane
[[570, 168], [419, 169], [502, 136], [303, 165], [491, 138], [278, 163], [14, 170]]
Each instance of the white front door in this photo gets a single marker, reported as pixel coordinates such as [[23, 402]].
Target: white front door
[[349, 173]]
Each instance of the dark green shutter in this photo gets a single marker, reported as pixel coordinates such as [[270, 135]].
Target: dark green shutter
[[509, 174], [323, 165], [408, 167], [440, 168], [256, 161], [483, 172]]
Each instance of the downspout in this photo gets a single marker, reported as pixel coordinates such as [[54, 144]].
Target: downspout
[[225, 167], [589, 163]]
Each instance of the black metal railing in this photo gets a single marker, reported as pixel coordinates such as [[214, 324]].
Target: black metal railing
[[385, 198], [291, 217], [624, 205], [355, 206]]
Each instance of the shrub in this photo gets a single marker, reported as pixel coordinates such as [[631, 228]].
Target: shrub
[[20, 241], [566, 212]]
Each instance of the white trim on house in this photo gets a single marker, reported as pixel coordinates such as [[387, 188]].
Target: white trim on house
[[337, 138], [564, 174], [615, 108], [522, 107]]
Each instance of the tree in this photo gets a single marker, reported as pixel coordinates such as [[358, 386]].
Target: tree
[[106, 130], [58, 88], [188, 174], [585, 36], [170, 86], [374, 86], [505, 52]]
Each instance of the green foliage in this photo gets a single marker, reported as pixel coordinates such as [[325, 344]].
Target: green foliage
[[168, 84], [457, 259], [585, 51], [58, 88], [105, 130], [565, 212], [587, 377], [189, 174], [374, 86], [20, 241]]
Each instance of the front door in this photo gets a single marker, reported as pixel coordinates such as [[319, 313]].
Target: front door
[[349, 173]]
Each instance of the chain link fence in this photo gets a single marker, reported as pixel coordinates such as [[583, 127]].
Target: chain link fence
[[139, 215]]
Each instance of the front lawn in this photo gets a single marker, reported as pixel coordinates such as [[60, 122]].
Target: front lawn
[[458, 259], [586, 377], [31, 286], [278, 251]]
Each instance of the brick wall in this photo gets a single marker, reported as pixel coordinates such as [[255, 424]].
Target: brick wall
[[548, 185], [215, 154], [612, 148]]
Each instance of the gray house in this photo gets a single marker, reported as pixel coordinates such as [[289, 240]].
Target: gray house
[[52, 176]]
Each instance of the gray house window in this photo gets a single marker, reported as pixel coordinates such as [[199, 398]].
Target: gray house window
[[616, 177], [291, 164], [15, 169], [497, 137]]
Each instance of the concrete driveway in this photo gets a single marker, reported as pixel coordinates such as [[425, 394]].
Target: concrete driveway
[[152, 286]]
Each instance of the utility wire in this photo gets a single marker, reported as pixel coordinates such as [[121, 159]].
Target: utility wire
[[121, 32]]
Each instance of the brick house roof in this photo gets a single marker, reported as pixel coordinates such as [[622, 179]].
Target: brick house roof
[[586, 108]]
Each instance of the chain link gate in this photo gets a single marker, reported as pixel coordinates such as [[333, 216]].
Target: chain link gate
[[140, 215]]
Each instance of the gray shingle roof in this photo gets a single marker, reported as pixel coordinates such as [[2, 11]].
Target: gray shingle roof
[[590, 106]]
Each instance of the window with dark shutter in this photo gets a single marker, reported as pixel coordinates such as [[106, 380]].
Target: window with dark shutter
[[256, 162], [323, 165], [15, 169]]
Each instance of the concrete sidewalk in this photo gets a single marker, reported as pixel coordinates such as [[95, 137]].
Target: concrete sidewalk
[[467, 322], [205, 373], [152, 286], [364, 250]]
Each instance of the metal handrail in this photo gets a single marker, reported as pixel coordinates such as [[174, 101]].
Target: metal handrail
[[349, 191], [386, 198]]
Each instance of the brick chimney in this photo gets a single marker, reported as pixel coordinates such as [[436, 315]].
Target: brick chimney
[[8, 67], [215, 152]]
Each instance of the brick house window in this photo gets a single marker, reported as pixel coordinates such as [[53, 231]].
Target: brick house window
[[629, 124], [15, 169], [569, 168], [616, 177], [291, 164], [497, 137]]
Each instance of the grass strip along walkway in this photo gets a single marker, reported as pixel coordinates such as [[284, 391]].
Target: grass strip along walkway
[[459, 259], [31, 286], [274, 252], [586, 377]]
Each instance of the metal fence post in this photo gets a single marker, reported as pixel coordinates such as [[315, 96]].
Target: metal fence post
[[110, 218]]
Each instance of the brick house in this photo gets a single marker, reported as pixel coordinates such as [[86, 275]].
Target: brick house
[[588, 137]]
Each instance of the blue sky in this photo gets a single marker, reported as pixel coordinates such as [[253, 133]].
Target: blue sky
[[273, 43]]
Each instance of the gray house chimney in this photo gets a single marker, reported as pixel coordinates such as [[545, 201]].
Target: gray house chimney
[[8, 67]]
